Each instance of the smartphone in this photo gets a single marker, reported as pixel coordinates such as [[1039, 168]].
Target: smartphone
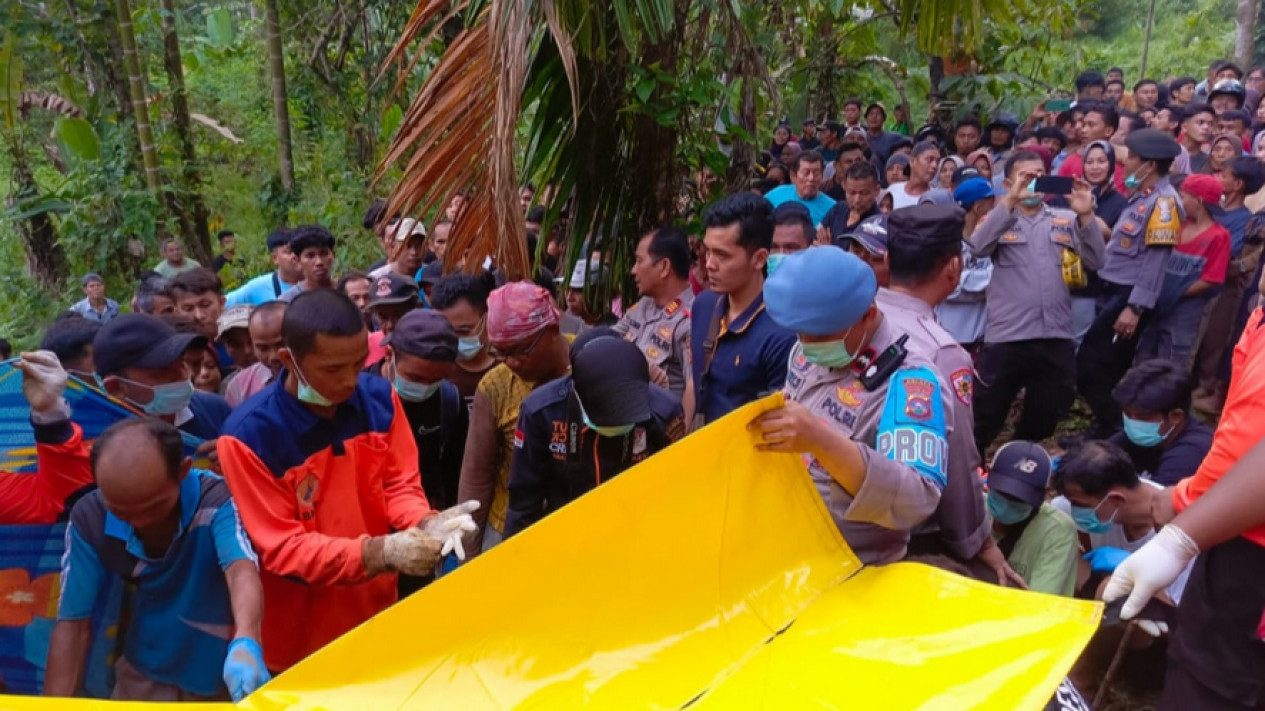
[[1054, 185], [1058, 105]]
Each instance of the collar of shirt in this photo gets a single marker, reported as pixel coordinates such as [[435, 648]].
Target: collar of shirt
[[190, 494], [906, 302], [183, 416], [744, 319], [295, 412]]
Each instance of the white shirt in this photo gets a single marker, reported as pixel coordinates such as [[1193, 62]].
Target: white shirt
[[901, 198]]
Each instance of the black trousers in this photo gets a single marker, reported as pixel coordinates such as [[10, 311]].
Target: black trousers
[[1103, 359], [1045, 368]]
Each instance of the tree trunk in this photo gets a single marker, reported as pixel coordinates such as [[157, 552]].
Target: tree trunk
[[191, 210], [45, 258], [1245, 32], [276, 68], [136, 89]]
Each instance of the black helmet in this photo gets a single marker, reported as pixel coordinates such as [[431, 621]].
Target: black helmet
[[1229, 87]]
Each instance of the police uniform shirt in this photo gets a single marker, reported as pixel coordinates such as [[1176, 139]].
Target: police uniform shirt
[[1028, 298], [663, 334], [1141, 241], [960, 519], [902, 429]]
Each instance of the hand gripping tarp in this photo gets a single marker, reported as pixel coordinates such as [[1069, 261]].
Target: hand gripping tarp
[[708, 577]]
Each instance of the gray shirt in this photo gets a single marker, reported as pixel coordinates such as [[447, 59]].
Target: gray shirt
[[663, 334], [1141, 241], [961, 519], [1027, 298], [901, 429]]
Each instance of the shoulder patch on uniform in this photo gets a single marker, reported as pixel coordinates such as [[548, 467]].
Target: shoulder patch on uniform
[[1010, 237], [1061, 222], [673, 307], [518, 439], [665, 332], [963, 381], [918, 394], [1164, 226], [850, 394], [912, 429]]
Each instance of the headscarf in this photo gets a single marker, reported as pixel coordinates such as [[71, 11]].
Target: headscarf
[[1044, 152], [935, 182], [1256, 142], [519, 310], [986, 154], [1238, 147], [1109, 183]]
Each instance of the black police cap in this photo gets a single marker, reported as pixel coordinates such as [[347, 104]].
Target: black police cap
[[1151, 144], [926, 225]]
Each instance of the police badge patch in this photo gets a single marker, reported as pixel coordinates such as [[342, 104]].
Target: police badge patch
[[963, 382]]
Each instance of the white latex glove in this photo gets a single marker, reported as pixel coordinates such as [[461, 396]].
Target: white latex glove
[[450, 525], [1150, 569], [1153, 628], [43, 381], [412, 552]]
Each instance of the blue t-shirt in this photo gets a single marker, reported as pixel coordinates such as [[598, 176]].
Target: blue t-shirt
[[182, 620], [257, 291], [1235, 221], [209, 413], [749, 361], [817, 207]]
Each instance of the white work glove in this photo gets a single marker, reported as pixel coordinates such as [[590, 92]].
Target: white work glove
[[1149, 570], [43, 382], [412, 552], [450, 525]]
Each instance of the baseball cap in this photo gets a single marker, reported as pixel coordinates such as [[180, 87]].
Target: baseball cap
[[820, 291], [426, 334], [870, 233], [854, 131], [1021, 469], [401, 231], [140, 341], [91, 277], [432, 273], [965, 172], [391, 288], [233, 317], [612, 381], [972, 190]]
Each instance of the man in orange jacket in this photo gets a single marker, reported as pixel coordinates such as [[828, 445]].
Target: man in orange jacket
[[63, 459], [323, 468]]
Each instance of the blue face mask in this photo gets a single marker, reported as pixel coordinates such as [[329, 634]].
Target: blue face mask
[[829, 354], [168, 399], [1144, 434], [1006, 511], [1133, 182], [306, 393], [415, 392], [607, 431], [1033, 200], [1087, 519], [774, 261], [468, 348]]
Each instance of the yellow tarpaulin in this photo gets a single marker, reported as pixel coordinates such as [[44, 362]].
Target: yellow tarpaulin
[[709, 576]]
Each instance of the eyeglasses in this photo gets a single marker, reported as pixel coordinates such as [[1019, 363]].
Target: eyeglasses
[[501, 354]]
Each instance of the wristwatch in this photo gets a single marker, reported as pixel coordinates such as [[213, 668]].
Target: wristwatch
[[1138, 311]]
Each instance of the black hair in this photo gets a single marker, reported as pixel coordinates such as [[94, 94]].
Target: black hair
[[1089, 79], [1227, 64], [150, 285], [224, 234], [672, 244], [1144, 82], [863, 170], [791, 217], [69, 338], [968, 121], [764, 185], [197, 281], [1022, 157], [164, 435], [536, 214], [1110, 116], [1237, 115], [809, 156], [780, 166], [1117, 70], [753, 215], [853, 102], [6, 349], [1116, 81], [319, 312], [1180, 82], [1250, 171], [1049, 132], [924, 146], [912, 260], [267, 308], [1193, 110], [306, 236], [1156, 386], [1096, 467], [854, 145], [458, 287], [350, 276], [1024, 135]]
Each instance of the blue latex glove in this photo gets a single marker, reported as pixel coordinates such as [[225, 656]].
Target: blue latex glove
[[1105, 559], [244, 669]]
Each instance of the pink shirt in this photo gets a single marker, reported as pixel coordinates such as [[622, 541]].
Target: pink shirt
[[247, 383]]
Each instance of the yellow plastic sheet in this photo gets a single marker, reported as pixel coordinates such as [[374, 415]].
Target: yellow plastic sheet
[[708, 576]]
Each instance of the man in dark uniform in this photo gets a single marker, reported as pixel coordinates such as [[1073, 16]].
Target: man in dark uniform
[[1132, 275], [584, 428]]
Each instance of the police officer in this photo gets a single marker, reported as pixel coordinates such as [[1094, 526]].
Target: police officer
[[1038, 253], [584, 428], [1133, 274], [925, 261], [871, 416], [659, 323]]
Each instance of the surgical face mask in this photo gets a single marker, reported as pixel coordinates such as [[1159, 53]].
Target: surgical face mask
[[169, 398], [829, 354], [1007, 511], [469, 346], [1144, 434], [1033, 200], [307, 393], [774, 261], [1133, 181], [415, 392], [608, 431], [1087, 519]]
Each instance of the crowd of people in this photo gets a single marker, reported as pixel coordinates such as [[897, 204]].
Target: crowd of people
[[365, 431]]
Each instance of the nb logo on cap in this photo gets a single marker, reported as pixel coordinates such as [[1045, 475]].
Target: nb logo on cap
[[1027, 466]]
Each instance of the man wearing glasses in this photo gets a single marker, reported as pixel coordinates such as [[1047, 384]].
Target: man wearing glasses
[[522, 330]]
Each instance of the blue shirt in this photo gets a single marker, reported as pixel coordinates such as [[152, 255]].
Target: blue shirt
[[84, 308], [817, 207], [1235, 221], [182, 620], [257, 291], [750, 356], [206, 415]]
